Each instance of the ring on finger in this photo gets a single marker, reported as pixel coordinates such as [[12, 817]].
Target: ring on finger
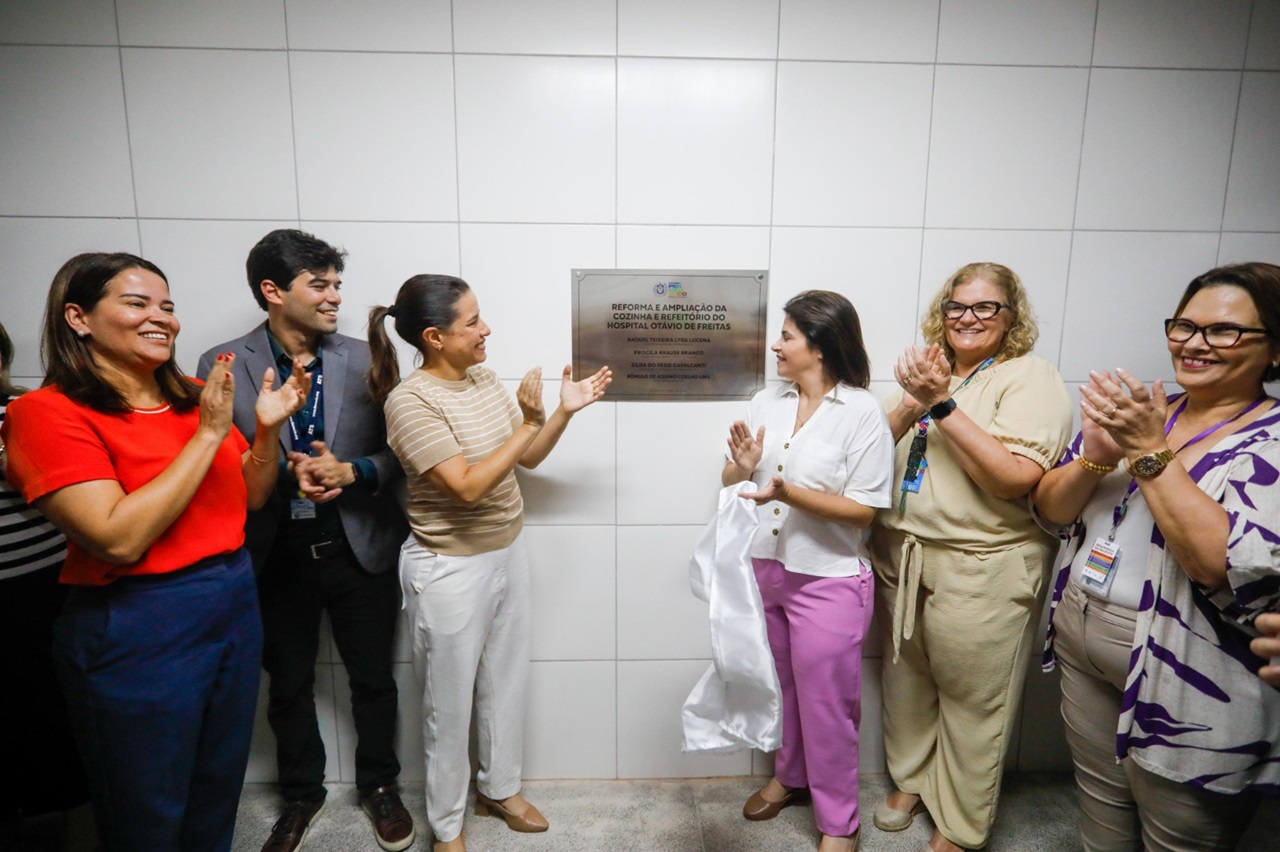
[[1110, 413]]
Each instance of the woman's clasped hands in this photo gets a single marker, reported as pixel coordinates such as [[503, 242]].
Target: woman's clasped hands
[[924, 375]]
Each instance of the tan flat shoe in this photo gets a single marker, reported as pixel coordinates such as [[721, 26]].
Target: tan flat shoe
[[847, 843], [530, 821], [759, 809], [886, 818]]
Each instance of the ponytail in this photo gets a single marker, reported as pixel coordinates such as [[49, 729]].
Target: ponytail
[[384, 372], [424, 301]]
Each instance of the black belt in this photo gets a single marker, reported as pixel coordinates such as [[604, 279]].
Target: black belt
[[326, 549]]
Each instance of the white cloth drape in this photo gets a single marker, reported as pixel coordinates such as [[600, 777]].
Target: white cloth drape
[[737, 703]]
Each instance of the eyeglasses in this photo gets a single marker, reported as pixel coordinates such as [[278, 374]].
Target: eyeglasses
[[1220, 335], [981, 310]]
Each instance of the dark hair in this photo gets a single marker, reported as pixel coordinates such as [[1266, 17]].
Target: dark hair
[[424, 301], [68, 362], [7, 388], [286, 253], [1261, 281], [830, 324]]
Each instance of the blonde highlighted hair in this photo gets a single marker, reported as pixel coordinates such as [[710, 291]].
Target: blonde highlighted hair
[[1019, 339]]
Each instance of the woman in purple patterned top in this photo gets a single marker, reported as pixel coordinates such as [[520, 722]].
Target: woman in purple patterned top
[[1174, 551]]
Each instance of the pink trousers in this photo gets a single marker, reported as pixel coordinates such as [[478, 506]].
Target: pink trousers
[[816, 627]]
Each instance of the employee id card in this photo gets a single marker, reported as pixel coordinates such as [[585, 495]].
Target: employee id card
[[1100, 567], [301, 509]]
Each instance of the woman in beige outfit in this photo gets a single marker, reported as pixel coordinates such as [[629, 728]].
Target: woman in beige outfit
[[960, 564]]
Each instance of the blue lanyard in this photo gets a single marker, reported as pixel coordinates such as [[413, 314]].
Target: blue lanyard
[[303, 424]]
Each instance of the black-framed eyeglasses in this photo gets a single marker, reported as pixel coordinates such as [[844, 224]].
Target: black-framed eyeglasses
[[981, 310], [1220, 335]]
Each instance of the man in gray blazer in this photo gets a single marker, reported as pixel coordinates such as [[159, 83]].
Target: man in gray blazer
[[327, 540]]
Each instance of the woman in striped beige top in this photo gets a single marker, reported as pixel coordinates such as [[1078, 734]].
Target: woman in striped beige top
[[464, 571]]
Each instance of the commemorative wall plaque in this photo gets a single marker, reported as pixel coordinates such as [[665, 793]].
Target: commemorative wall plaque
[[672, 334]]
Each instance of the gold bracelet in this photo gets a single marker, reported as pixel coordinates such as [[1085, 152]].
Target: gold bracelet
[[1094, 467], [257, 460]]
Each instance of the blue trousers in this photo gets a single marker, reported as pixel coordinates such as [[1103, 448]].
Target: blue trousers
[[161, 679]]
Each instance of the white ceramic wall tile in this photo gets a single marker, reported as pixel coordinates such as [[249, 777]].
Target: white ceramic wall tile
[[745, 29], [571, 728], [58, 22], [670, 473], [702, 247], [1156, 149], [226, 23], [1241, 248], [1009, 32], [390, 153], [1022, 174], [658, 616], [1264, 36], [64, 135], [695, 141], [1253, 191], [859, 30], [877, 269], [408, 739], [520, 26], [535, 138], [572, 608], [837, 161], [1171, 33], [262, 750], [576, 484], [31, 251], [408, 25], [650, 695], [1043, 742], [211, 133], [1040, 258], [1121, 287], [204, 262], [520, 274]]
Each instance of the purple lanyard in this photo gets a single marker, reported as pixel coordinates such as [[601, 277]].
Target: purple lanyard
[[1117, 515]]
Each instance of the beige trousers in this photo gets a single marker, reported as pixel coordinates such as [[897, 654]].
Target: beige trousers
[[951, 699], [470, 621], [1123, 806]]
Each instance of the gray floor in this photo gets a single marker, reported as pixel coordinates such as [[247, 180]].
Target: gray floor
[[1037, 812]]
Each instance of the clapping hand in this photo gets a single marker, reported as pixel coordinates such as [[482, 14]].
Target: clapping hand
[[274, 406], [924, 375], [575, 396], [745, 449], [320, 477], [1134, 421], [773, 490], [218, 396]]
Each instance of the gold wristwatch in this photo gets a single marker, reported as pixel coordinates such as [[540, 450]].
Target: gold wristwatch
[[1151, 464]]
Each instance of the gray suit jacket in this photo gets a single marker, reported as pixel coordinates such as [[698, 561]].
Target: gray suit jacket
[[353, 427]]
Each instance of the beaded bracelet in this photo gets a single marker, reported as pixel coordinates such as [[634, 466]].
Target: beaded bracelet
[[1094, 467]]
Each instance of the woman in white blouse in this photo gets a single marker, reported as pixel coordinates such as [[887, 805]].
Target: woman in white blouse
[[820, 451]]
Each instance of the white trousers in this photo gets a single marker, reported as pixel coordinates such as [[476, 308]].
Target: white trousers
[[469, 617]]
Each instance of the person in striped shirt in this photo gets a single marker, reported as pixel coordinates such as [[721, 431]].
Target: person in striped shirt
[[464, 570]]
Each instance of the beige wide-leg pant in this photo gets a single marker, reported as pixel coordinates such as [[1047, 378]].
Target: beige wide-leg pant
[[469, 616], [1125, 807], [964, 623]]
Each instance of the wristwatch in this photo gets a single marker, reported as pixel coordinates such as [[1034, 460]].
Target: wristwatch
[[942, 409], [1151, 464]]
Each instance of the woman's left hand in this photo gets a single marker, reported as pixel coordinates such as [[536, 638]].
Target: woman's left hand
[[773, 490], [1134, 420], [276, 406], [924, 374], [575, 396]]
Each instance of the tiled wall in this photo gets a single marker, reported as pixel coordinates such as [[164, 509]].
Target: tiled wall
[[1108, 151]]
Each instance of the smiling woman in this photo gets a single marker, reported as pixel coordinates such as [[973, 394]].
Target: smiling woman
[[960, 563], [158, 648], [1172, 506]]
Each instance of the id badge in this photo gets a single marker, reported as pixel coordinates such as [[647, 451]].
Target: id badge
[[1100, 567], [912, 483], [301, 510]]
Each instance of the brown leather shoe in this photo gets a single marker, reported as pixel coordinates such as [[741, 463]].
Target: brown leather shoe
[[530, 821], [391, 822], [759, 809], [291, 829]]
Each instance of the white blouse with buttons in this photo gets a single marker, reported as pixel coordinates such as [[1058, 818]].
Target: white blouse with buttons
[[845, 448]]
